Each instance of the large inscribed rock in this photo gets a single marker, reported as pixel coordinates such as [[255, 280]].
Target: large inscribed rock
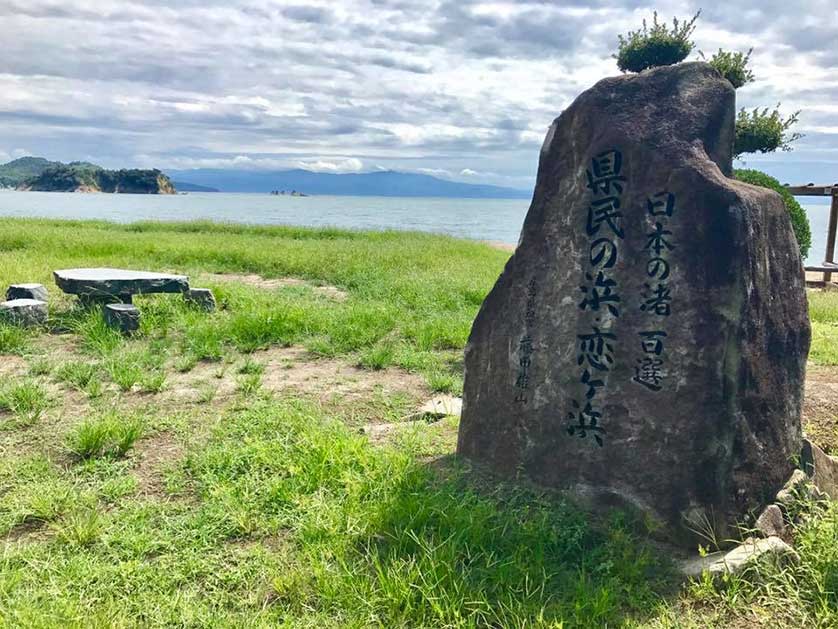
[[646, 343]]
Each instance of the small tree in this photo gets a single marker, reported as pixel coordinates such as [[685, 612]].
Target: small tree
[[655, 46], [761, 131]]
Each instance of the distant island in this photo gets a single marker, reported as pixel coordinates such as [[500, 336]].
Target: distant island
[[41, 175]]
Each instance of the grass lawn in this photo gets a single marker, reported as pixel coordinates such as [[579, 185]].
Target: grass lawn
[[252, 467]]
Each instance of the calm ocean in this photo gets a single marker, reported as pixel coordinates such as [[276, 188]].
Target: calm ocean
[[481, 219]]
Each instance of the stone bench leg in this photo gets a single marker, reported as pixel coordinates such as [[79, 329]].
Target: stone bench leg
[[123, 317]]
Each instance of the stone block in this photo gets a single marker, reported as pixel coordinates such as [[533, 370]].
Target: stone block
[[771, 523], [27, 291], [202, 298], [751, 552], [24, 312], [123, 317], [821, 468]]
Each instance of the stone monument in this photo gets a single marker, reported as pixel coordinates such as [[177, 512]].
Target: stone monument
[[645, 345]]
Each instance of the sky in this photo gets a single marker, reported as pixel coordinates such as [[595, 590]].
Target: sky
[[461, 89]]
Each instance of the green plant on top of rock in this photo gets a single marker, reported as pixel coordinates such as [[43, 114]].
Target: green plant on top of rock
[[760, 130], [799, 220], [732, 65], [657, 45]]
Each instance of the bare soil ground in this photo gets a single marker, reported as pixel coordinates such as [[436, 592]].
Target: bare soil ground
[[820, 407], [257, 281]]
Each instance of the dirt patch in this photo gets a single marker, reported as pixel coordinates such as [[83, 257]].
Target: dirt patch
[[503, 246], [820, 406], [257, 281], [152, 457], [26, 532], [292, 369], [12, 366]]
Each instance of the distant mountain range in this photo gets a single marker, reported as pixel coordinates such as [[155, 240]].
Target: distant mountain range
[[183, 186], [41, 175], [385, 183]]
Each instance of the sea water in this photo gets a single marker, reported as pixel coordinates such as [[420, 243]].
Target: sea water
[[496, 220]]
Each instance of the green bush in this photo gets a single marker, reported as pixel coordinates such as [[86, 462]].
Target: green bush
[[799, 220], [759, 131], [733, 66], [655, 46]]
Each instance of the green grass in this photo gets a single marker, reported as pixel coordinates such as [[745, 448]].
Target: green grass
[[77, 374], [296, 519], [248, 509], [13, 339], [110, 435], [416, 290], [26, 400]]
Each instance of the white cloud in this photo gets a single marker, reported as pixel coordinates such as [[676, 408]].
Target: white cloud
[[350, 165], [436, 172]]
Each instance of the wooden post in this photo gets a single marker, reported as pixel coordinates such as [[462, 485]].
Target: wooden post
[[830, 235]]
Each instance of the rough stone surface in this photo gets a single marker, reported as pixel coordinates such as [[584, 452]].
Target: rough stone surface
[[821, 468], [27, 291], [107, 283], [752, 551], [202, 298], [771, 523], [696, 428], [796, 487], [24, 312], [124, 317]]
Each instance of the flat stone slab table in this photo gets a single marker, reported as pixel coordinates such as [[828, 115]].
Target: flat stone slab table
[[102, 284]]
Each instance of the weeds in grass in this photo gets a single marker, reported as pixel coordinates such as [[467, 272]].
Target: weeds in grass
[[43, 501], [40, 367], [377, 357], [13, 339], [442, 382], [249, 384], [97, 337], [153, 382], [27, 400], [207, 393], [107, 436], [79, 527], [77, 374], [94, 388], [251, 367], [186, 363]]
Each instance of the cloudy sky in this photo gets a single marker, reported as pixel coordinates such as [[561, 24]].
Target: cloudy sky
[[460, 88]]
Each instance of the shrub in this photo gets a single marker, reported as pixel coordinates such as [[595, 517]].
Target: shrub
[[655, 46], [733, 66], [759, 131], [799, 220]]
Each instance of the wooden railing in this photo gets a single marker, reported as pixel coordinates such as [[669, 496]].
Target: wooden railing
[[828, 266]]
